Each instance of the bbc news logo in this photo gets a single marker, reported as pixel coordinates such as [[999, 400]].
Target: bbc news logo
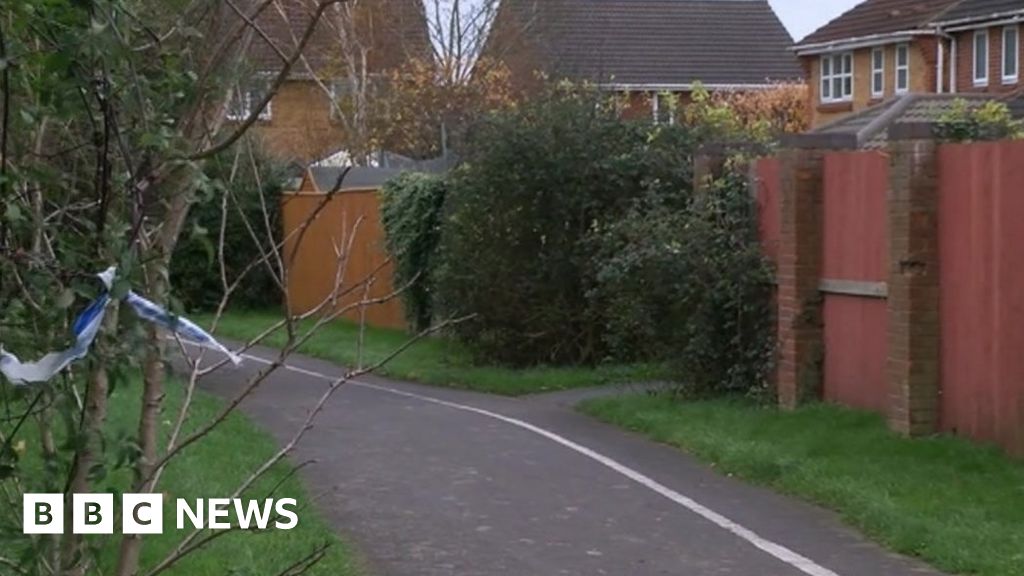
[[144, 514]]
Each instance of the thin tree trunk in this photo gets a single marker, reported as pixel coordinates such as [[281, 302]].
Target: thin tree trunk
[[94, 418], [149, 426]]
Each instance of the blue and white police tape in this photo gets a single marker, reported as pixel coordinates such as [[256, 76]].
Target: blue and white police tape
[[87, 325]]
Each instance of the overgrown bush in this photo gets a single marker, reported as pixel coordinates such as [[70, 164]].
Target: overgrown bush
[[689, 284], [195, 273], [574, 236], [536, 183], [990, 121], [411, 207]]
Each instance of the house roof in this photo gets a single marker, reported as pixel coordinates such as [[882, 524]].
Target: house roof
[[981, 9], [870, 127], [874, 17], [390, 30], [656, 42]]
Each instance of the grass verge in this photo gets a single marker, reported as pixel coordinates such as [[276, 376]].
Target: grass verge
[[437, 361], [954, 504], [213, 467]]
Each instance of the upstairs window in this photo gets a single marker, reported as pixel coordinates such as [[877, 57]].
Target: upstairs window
[[981, 58], [878, 72], [902, 68], [837, 77], [1011, 55], [663, 106], [246, 97]]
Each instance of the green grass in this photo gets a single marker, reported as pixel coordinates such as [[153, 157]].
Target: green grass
[[436, 361], [954, 504], [214, 467]]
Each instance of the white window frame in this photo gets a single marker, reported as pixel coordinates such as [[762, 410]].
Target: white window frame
[[877, 72], [841, 58], [905, 67], [1015, 75], [656, 108], [980, 80], [248, 98]]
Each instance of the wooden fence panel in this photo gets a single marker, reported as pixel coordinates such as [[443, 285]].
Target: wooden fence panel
[[313, 265], [981, 250], [855, 258]]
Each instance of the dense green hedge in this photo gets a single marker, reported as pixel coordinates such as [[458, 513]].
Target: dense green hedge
[[689, 285], [411, 207], [572, 236], [537, 186]]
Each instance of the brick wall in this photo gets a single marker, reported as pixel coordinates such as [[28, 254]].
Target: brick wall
[[912, 303], [953, 325], [300, 128]]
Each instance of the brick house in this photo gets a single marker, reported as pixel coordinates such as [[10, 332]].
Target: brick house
[[985, 45], [301, 124], [885, 48], [644, 48]]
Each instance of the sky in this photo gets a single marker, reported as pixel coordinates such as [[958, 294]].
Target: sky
[[802, 17]]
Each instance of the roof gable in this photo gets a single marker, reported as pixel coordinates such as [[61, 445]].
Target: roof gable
[[654, 42], [874, 17]]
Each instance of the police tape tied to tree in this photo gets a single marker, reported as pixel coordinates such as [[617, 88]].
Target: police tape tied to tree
[[87, 325]]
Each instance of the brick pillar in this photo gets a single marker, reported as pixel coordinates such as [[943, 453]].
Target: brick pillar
[[799, 272], [913, 287]]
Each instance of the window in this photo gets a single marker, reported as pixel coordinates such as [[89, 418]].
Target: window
[[341, 94], [878, 72], [837, 77], [664, 108], [1011, 55], [981, 58], [902, 68], [246, 97]]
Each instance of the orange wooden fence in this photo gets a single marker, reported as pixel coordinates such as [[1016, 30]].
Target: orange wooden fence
[[347, 225]]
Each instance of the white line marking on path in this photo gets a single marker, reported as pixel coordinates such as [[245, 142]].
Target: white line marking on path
[[780, 552]]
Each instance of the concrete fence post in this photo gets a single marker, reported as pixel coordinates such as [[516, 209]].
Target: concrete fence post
[[801, 340], [913, 303]]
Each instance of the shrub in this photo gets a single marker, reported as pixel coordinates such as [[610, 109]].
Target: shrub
[[689, 284], [411, 207], [990, 121], [536, 184], [783, 108], [195, 272]]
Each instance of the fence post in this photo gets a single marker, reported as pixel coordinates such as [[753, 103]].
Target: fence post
[[914, 367], [800, 330]]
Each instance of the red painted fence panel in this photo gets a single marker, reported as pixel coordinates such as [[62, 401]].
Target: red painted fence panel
[[855, 248], [981, 249]]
